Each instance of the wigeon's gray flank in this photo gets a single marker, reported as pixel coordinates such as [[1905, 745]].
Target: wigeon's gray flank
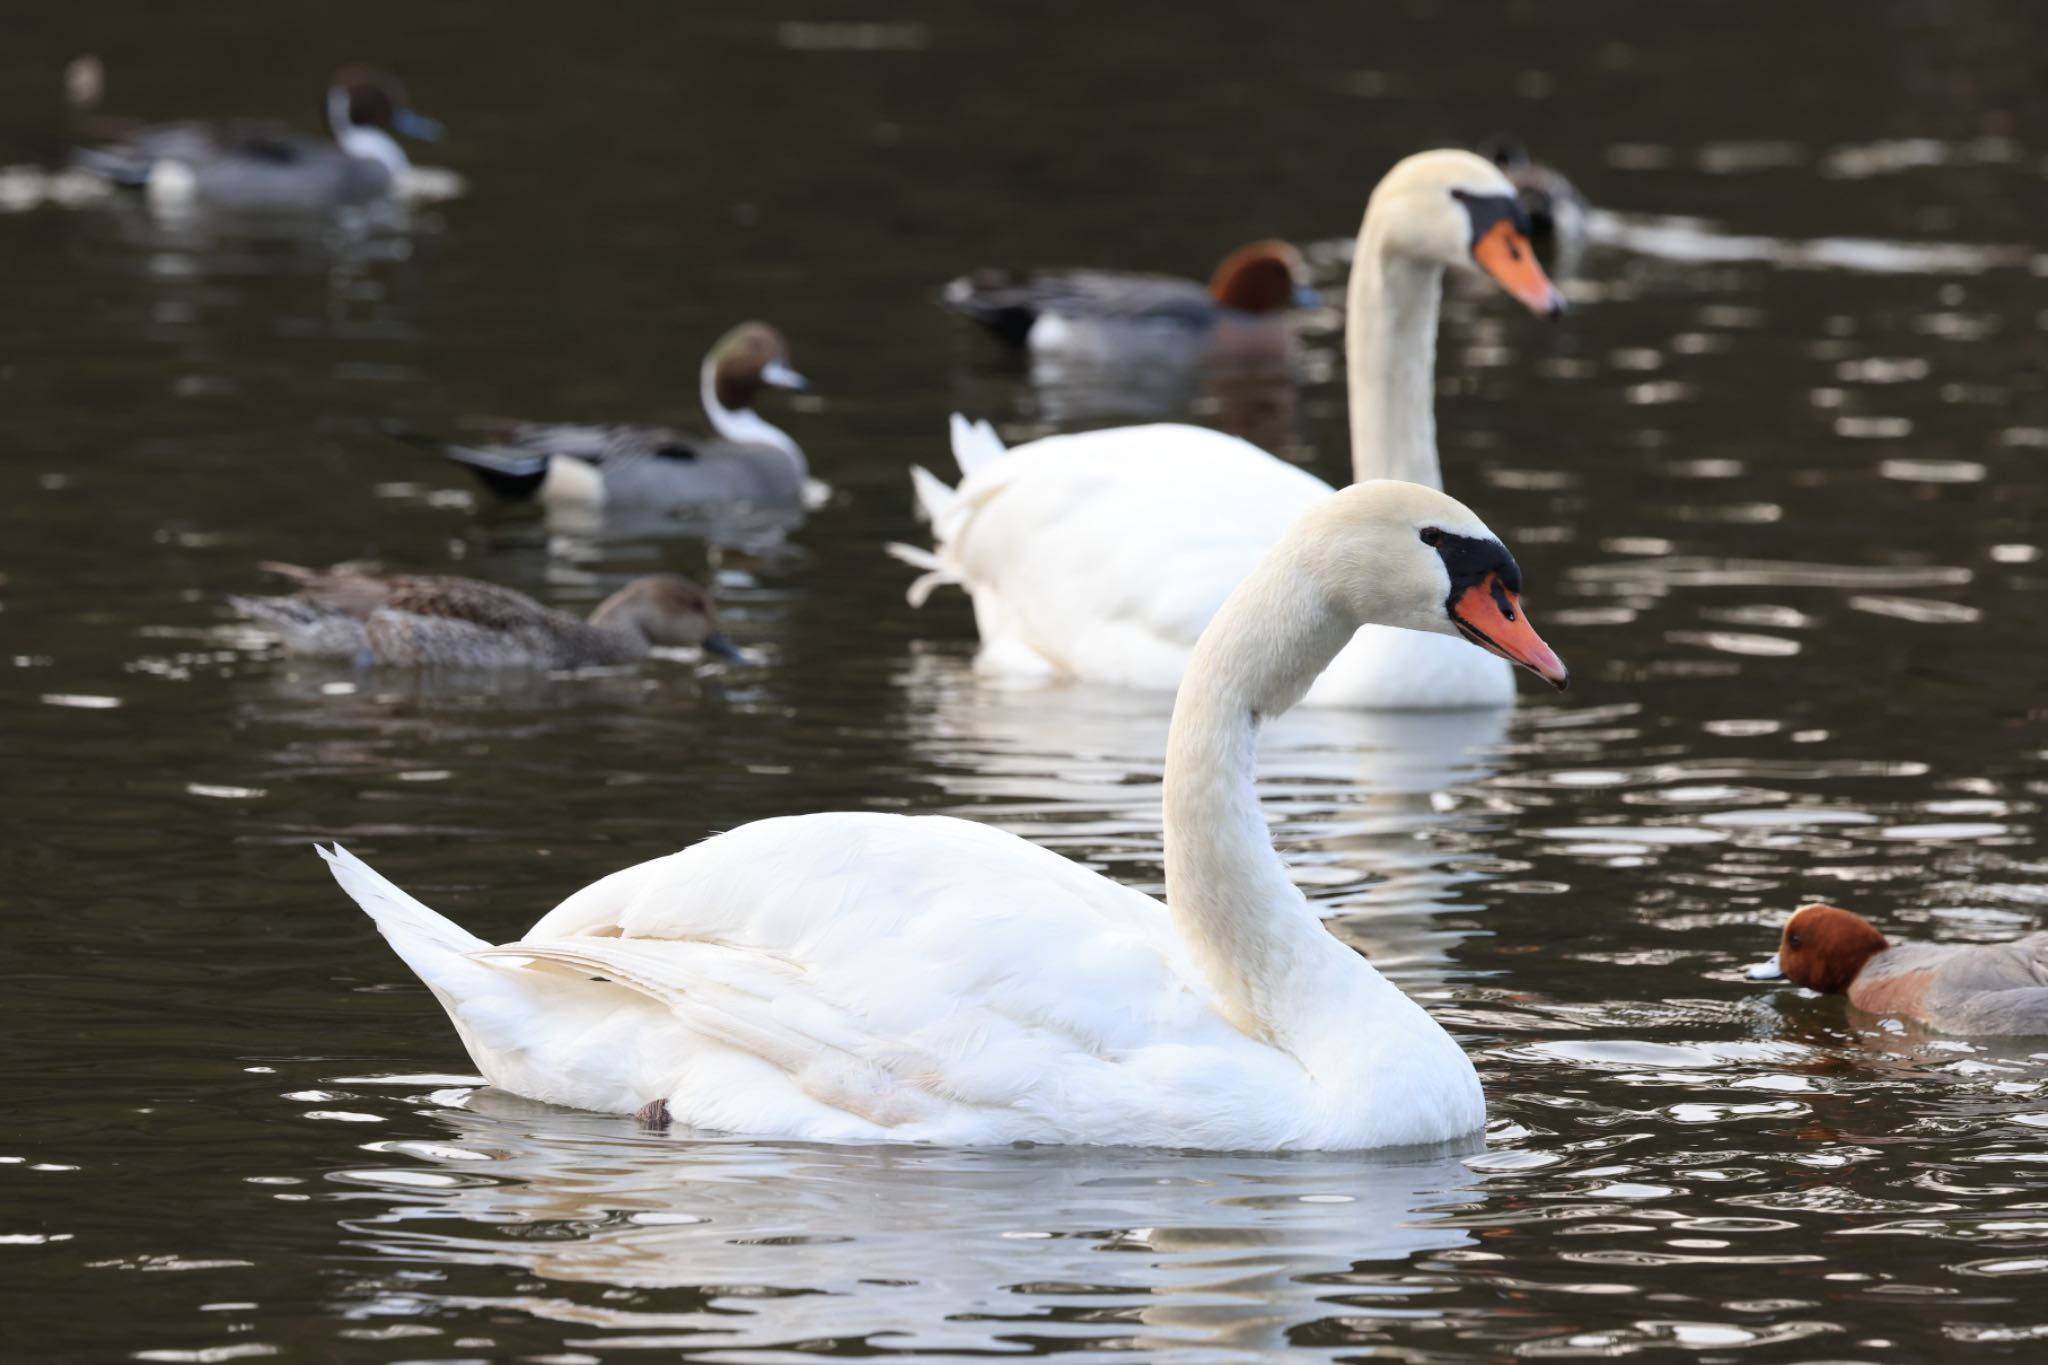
[[748, 463], [1968, 989], [427, 621], [244, 164], [1052, 310]]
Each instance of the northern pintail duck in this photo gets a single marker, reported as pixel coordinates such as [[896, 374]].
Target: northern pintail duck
[[249, 164], [1100, 313], [1970, 989], [432, 621], [748, 462], [1557, 211]]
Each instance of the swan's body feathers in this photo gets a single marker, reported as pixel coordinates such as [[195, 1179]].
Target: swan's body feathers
[[854, 977], [1103, 556]]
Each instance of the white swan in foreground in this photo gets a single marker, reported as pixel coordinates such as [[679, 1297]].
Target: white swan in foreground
[[1102, 555], [855, 977]]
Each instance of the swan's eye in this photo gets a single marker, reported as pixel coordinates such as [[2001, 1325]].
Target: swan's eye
[[1431, 536]]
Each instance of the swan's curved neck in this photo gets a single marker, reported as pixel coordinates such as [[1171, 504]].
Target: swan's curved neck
[[742, 426], [1390, 351], [1270, 961]]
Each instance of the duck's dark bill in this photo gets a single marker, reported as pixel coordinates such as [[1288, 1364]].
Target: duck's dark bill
[[716, 643], [1504, 253], [1491, 617]]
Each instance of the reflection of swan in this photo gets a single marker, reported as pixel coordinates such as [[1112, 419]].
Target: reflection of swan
[[764, 1244], [1360, 801], [853, 977]]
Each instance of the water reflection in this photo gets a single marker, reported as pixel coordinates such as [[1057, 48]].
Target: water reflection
[[739, 1246]]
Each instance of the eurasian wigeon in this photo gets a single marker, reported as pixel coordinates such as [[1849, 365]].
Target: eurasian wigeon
[[246, 164], [1969, 989], [431, 621], [749, 462], [1105, 314]]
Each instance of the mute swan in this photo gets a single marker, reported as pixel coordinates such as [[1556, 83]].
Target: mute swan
[[1108, 314], [1102, 555], [429, 621], [750, 461], [856, 977], [1970, 989], [252, 165]]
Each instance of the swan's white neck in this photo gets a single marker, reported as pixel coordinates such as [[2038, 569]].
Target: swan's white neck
[[364, 143], [742, 426], [1390, 350], [1277, 973]]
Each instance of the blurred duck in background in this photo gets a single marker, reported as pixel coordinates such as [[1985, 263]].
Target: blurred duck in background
[[1102, 556], [1969, 989], [1557, 211], [1107, 315], [249, 165], [433, 621], [748, 462]]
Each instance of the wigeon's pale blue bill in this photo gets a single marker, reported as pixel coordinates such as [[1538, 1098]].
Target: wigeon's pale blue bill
[[416, 125], [1305, 296], [1766, 971], [782, 377], [717, 643]]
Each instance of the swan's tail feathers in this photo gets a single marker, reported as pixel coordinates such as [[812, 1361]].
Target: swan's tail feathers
[[975, 446], [411, 926], [514, 475], [934, 498], [935, 576]]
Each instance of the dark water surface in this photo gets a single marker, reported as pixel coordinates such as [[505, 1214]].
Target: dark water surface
[[1777, 483]]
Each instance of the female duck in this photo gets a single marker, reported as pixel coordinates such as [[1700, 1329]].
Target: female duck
[[247, 165], [1101, 556], [1106, 315], [856, 977], [748, 462], [429, 621], [1971, 989]]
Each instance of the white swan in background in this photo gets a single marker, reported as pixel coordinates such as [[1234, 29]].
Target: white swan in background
[[855, 977], [1102, 555]]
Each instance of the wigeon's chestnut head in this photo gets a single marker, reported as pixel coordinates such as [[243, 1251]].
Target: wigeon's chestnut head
[[1822, 948], [1262, 277]]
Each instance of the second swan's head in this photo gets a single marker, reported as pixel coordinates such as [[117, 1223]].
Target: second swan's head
[[1400, 554], [1457, 209]]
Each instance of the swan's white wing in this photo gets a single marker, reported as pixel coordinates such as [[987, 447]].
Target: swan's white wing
[[1103, 555], [863, 975]]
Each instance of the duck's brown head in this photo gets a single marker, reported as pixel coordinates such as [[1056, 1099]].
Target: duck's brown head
[[749, 358], [1262, 277], [1822, 948]]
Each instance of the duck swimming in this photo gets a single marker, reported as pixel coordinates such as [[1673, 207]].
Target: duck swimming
[[1108, 314], [1557, 211], [864, 976], [1969, 989], [252, 165], [1102, 556], [748, 462], [433, 621]]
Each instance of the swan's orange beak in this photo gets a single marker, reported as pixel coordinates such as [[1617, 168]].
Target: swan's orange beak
[[1492, 617], [1504, 253]]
